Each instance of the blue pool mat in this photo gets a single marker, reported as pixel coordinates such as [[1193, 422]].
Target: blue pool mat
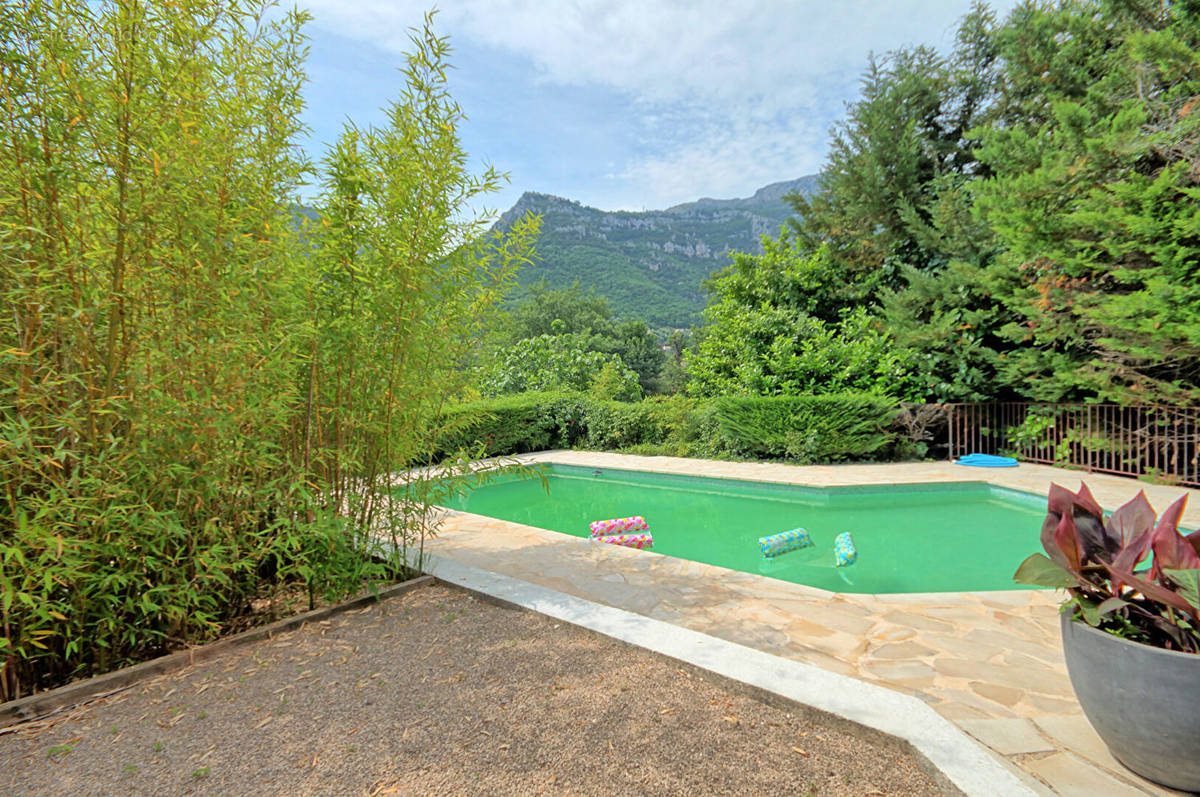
[[987, 461]]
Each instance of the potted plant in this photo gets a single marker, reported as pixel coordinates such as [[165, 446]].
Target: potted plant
[[1131, 636]]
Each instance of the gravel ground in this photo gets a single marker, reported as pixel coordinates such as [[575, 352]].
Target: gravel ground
[[436, 692]]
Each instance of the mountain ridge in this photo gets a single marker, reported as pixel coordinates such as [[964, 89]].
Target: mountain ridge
[[650, 264]]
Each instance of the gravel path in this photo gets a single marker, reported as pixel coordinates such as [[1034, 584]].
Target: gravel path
[[436, 692]]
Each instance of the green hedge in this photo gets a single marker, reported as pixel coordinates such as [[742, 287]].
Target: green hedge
[[507, 425], [827, 428], [614, 425]]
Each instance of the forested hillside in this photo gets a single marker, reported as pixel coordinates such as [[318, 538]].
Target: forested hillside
[[650, 265]]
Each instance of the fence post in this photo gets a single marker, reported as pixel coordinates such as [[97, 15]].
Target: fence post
[[951, 412]]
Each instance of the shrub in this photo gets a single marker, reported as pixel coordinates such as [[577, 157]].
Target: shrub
[[571, 415], [922, 431], [805, 428], [615, 425], [786, 323], [661, 424], [538, 421]]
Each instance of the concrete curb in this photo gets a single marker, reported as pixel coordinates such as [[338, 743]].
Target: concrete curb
[[947, 754], [25, 708]]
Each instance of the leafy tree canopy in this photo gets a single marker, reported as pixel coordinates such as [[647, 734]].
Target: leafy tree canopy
[[558, 362], [587, 320], [575, 311], [779, 324]]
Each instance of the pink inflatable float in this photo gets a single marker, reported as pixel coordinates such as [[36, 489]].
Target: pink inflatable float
[[628, 540], [624, 525]]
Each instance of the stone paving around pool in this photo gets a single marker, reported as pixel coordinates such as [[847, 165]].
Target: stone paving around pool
[[989, 661]]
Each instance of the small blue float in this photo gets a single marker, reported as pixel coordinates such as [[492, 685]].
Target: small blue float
[[986, 461]]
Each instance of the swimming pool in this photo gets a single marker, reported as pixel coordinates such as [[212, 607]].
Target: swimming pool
[[910, 538]]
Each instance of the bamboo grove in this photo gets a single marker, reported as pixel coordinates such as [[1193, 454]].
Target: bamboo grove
[[204, 394]]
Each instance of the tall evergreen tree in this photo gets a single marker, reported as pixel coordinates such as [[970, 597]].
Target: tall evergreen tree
[[1095, 146], [896, 210], [880, 159]]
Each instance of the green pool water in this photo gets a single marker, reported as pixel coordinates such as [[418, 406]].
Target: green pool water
[[910, 538]]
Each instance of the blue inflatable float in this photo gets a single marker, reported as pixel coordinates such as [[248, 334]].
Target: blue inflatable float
[[986, 461]]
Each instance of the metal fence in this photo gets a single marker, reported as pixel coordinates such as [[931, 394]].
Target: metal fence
[[1107, 438]]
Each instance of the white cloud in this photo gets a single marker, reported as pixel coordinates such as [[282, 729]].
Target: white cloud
[[666, 50], [726, 96], [724, 161]]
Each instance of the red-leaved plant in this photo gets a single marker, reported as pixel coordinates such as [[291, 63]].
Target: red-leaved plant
[[1096, 560]]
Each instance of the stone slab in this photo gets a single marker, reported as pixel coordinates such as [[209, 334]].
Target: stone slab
[[1074, 733], [1009, 736], [1069, 776]]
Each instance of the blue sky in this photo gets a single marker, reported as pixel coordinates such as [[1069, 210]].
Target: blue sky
[[624, 104]]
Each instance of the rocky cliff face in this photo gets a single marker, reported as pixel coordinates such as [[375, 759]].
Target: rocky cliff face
[[650, 264]]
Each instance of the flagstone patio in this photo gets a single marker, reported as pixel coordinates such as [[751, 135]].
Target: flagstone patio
[[989, 661]]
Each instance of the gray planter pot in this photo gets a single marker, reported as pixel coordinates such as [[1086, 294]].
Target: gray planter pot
[[1143, 701]]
